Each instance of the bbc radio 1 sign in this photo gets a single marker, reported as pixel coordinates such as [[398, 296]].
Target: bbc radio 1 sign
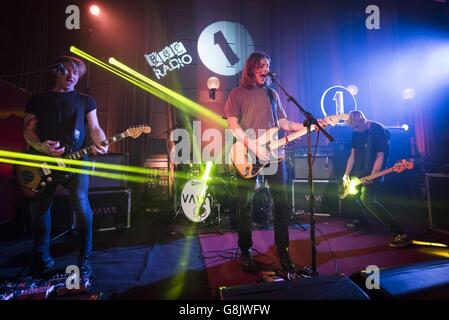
[[222, 46]]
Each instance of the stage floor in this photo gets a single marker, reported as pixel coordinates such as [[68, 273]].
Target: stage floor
[[190, 261]]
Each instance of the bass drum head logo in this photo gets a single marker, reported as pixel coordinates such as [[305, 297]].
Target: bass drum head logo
[[191, 204], [223, 47]]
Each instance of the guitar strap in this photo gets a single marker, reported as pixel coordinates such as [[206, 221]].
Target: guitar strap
[[368, 166], [80, 122], [273, 106]]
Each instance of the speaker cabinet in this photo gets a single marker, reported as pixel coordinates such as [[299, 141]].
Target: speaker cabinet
[[423, 281], [96, 183], [333, 287], [437, 201], [323, 168], [326, 199], [111, 209]]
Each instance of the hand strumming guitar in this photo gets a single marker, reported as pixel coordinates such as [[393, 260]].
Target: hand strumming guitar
[[51, 148]]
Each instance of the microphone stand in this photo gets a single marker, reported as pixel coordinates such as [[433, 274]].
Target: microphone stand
[[43, 70], [310, 120]]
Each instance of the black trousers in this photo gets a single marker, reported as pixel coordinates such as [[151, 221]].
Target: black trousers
[[278, 189], [41, 220], [367, 201]]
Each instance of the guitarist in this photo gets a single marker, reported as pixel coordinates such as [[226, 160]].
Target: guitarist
[[252, 108], [369, 154], [57, 123]]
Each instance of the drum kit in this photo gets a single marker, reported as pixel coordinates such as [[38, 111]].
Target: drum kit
[[209, 201], [204, 200]]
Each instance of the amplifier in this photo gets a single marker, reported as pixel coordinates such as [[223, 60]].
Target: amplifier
[[326, 200], [155, 199], [104, 183], [437, 201], [323, 168], [111, 209]]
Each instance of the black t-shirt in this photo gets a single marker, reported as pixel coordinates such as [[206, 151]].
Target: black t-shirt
[[367, 144], [62, 117]]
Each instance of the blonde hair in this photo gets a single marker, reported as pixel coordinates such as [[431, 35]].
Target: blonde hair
[[356, 117]]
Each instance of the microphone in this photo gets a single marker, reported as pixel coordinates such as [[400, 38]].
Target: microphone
[[271, 74], [60, 67]]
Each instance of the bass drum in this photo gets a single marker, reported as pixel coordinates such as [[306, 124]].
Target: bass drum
[[220, 192], [194, 209]]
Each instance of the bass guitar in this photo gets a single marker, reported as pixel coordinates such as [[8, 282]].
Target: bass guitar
[[350, 187]]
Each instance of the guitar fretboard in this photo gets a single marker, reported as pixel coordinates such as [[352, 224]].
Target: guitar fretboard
[[332, 120], [377, 174], [291, 137], [88, 150]]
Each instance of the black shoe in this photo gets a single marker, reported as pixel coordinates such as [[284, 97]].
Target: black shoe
[[85, 267], [286, 261], [41, 267], [356, 225], [400, 241], [246, 259]]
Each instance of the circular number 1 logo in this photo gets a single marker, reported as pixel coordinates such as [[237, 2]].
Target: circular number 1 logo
[[337, 100], [223, 47]]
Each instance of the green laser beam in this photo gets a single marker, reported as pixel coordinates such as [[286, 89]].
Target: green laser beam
[[108, 175]]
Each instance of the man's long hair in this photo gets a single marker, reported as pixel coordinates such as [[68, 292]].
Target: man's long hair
[[247, 79]]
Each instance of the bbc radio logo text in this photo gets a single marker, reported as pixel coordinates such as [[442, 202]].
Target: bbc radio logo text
[[172, 57]]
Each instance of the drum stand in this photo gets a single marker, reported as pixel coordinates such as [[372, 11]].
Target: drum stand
[[218, 224]]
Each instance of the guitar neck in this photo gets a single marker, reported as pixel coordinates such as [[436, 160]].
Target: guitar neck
[[88, 150], [377, 174], [295, 135]]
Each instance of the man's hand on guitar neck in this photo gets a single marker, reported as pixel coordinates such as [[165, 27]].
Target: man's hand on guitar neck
[[99, 149], [52, 148]]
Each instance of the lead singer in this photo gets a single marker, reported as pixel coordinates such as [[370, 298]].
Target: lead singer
[[250, 109]]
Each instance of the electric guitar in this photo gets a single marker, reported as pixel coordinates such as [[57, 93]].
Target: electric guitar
[[349, 187], [248, 165], [32, 180]]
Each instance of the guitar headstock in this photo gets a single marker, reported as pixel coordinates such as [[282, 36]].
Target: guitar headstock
[[336, 119], [135, 132], [402, 165]]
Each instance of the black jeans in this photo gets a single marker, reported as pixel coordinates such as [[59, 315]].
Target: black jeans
[[40, 209], [278, 190], [367, 201]]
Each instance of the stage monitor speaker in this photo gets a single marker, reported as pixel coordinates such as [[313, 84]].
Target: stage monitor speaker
[[437, 201], [326, 199], [96, 182], [333, 287], [423, 281], [323, 168]]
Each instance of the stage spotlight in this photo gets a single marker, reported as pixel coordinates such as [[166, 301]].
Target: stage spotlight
[[405, 127], [94, 10], [408, 94], [353, 89]]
